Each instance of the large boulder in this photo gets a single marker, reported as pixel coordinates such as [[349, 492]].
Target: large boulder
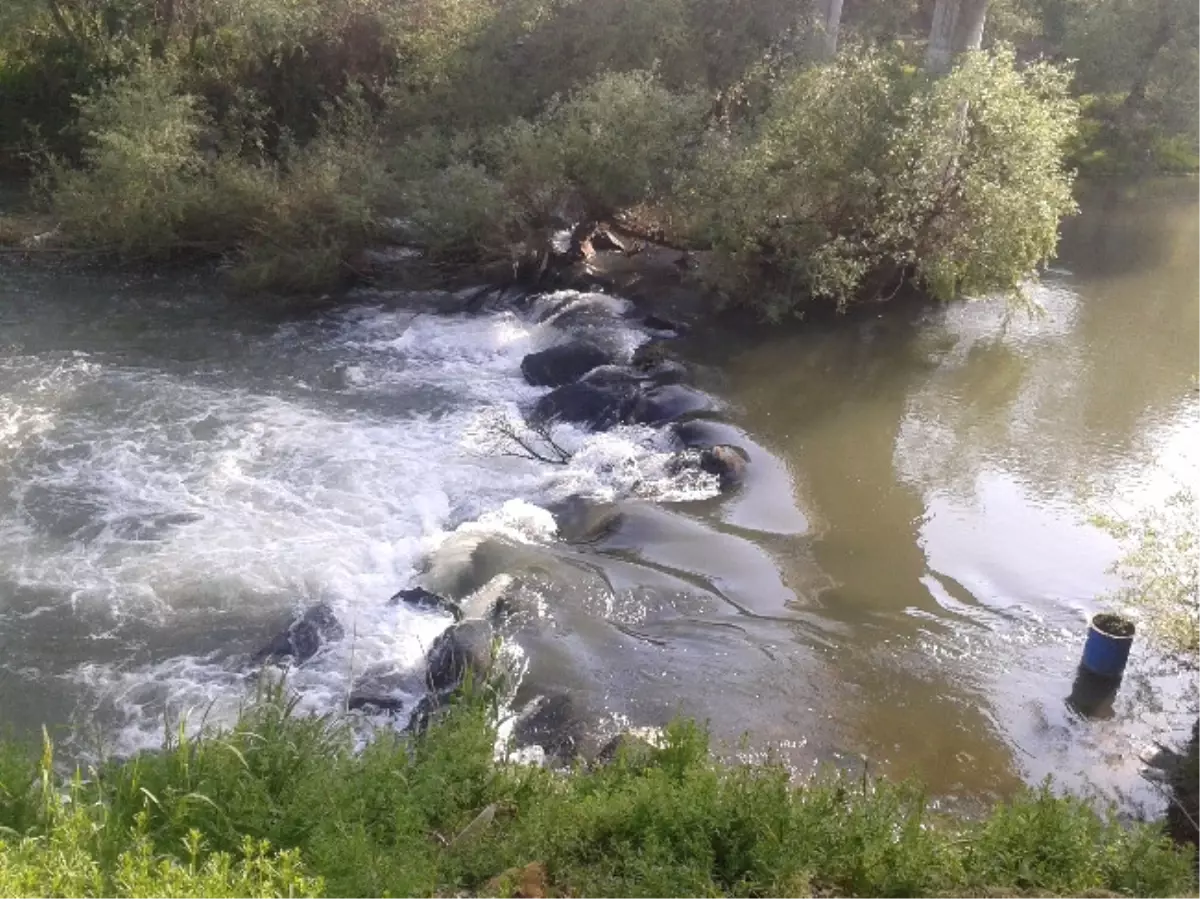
[[421, 600], [462, 647], [596, 407], [668, 403], [304, 637], [383, 689], [563, 364]]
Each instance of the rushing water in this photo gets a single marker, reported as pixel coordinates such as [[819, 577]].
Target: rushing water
[[905, 576]]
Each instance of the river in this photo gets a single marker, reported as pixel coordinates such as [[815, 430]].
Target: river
[[905, 577]]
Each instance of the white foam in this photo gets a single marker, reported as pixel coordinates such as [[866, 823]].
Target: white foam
[[194, 501]]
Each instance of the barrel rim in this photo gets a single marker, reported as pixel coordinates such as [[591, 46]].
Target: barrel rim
[[1104, 623]]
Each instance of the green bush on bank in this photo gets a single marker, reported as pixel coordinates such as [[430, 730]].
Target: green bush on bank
[[864, 175], [154, 183], [281, 805]]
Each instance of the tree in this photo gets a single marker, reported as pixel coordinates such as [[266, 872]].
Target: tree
[[827, 18], [957, 27]]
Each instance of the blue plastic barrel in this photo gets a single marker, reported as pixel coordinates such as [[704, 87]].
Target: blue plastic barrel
[[1109, 640], [1092, 695]]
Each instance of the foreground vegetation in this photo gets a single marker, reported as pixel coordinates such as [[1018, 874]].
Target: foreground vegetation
[[281, 805]]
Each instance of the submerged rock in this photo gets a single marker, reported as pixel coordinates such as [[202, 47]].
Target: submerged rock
[[556, 724], [422, 600], [596, 407], [668, 403], [650, 354], [462, 647], [667, 372], [582, 520], [563, 364], [658, 323], [304, 637]]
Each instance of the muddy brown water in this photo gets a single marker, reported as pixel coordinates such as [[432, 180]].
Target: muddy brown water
[[905, 577], [947, 463]]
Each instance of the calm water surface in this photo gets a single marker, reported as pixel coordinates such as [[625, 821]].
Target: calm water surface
[[947, 463]]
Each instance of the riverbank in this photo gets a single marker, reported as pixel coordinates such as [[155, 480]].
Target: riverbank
[[438, 815]]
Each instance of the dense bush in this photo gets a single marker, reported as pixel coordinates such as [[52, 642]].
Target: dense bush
[[153, 183], [617, 142], [438, 816], [864, 174], [217, 127]]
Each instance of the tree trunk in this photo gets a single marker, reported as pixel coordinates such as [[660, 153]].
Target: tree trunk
[[957, 27], [1161, 37], [827, 20], [968, 28]]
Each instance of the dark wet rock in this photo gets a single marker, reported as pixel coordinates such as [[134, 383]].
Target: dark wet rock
[[556, 724], [462, 647], [614, 376], [696, 433], [668, 403], [633, 750], [583, 520], [423, 714], [383, 689], [563, 364], [650, 354], [422, 600], [596, 407], [658, 323], [367, 701], [667, 372], [728, 463], [304, 637]]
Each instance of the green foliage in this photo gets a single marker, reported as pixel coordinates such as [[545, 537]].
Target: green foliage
[[613, 144], [154, 184], [863, 174], [1161, 571], [141, 166], [437, 815]]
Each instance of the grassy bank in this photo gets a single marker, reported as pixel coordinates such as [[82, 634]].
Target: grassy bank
[[281, 805]]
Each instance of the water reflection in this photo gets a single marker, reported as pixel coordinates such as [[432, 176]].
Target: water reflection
[[949, 460]]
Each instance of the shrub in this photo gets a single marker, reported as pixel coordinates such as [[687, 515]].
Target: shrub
[[154, 184], [863, 175], [140, 166], [612, 144]]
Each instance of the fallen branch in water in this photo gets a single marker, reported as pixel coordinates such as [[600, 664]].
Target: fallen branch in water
[[500, 434]]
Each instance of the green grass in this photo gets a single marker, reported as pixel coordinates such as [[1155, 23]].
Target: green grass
[[282, 805]]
